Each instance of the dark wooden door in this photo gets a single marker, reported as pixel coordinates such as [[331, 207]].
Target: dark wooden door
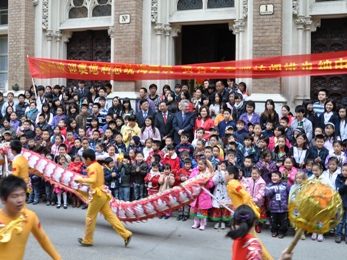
[[91, 46], [331, 36]]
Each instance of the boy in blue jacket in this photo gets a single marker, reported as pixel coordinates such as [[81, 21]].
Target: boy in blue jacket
[[278, 192], [184, 145], [248, 150], [341, 186], [111, 177]]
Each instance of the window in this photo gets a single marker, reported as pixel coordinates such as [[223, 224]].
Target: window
[[81, 8], [3, 61], [189, 5], [220, 3], [3, 12]]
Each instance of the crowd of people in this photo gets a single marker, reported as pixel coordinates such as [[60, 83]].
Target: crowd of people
[[169, 137]]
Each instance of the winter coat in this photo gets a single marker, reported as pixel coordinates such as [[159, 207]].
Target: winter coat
[[174, 161], [277, 158], [256, 189], [204, 200], [291, 175], [76, 167], [166, 182], [152, 180], [220, 190], [266, 172], [139, 177], [342, 189], [240, 155], [272, 143], [278, 193], [150, 155], [109, 179], [124, 170], [182, 172], [239, 135], [184, 147], [332, 176]]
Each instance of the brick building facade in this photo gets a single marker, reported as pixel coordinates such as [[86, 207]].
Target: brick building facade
[[155, 32]]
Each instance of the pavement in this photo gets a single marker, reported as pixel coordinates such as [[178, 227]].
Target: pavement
[[157, 239]]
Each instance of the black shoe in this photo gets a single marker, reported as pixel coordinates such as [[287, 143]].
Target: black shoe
[[48, 203], [85, 206], [185, 218], [35, 202], [53, 204], [80, 240], [58, 206], [160, 216], [65, 206], [338, 239], [127, 241], [179, 217], [166, 217]]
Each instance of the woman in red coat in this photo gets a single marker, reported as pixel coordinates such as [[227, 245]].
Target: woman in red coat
[[204, 121]]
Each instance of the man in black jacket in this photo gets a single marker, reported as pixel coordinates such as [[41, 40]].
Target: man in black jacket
[[163, 121], [143, 113]]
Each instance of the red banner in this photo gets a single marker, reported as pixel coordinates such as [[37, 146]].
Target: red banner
[[271, 67]]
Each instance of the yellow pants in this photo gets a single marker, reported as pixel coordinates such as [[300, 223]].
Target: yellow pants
[[102, 203]]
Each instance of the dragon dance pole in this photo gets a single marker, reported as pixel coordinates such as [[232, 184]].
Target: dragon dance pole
[[212, 196]]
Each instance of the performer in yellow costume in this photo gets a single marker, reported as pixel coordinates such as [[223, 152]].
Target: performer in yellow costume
[[239, 196], [17, 222], [20, 165], [99, 200]]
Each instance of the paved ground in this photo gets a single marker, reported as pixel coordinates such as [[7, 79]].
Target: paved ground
[[157, 239]]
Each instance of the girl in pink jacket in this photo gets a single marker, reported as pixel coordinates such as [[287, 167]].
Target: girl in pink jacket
[[201, 205], [256, 188], [288, 171]]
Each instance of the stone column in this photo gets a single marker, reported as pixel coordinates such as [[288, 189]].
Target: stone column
[[21, 42], [128, 40]]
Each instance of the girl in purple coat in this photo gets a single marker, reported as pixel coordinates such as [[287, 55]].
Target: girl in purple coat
[[278, 192], [201, 205], [266, 165]]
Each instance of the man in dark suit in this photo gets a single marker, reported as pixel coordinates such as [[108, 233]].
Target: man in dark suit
[[82, 90], [163, 121], [143, 113], [183, 121]]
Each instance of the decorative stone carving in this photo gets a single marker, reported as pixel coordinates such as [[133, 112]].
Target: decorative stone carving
[[239, 26], [158, 28], [35, 2], [154, 11], [44, 14], [58, 35], [110, 31], [66, 36], [167, 29], [176, 29], [49, 34], [295, 7], [245, 8], [231, 25], [307, 23], [315, 24]]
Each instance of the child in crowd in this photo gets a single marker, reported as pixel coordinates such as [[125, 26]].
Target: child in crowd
[[243, 180], [201, 205], [124, 169], [231, 157], [338, 153], [256, 188], [55, 147], [247, 150], [152, 179], [317, 170], [219, 214], [318, 152], [199, 149], [308, 168], [288, 171], [240, 132], [76, 165], [266, 165], [138, 173], [185, 155], [281, 151], [111, 177], [247, 166], [256, 134], [61, 159], [168, 141], [148, 148], [284, 121], [273, 141], [156, 150], [330, 136], [278, 191], [184, 145], [166, 181], [181, 176], [120, 145], [341, 186], [172, 159], [135, 144], [333, 170], [199, 136], [268, 129]]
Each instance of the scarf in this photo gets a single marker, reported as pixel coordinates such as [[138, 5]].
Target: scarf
[[237, 106], [149, 131], [31, 112]]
